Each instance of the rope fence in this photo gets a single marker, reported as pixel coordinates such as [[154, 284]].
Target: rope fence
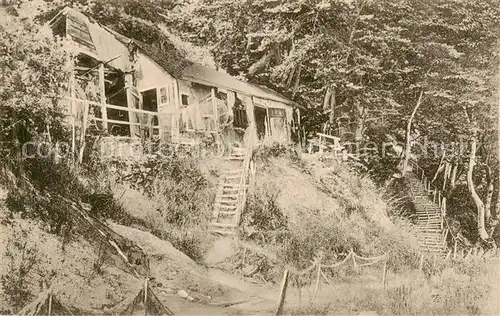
[[316, 272]]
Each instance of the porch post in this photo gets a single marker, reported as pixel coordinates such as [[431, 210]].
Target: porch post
[[249, 108], [102, 93], [176, 100], [216, 115], [130, 104]]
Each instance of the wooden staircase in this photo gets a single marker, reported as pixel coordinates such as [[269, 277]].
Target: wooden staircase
[[231, 193], [432, 235]]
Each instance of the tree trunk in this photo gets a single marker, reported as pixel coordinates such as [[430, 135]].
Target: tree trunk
[[408, 132], [453, 176], [497, 213], [470, 184], [360, 121], [489, 194]]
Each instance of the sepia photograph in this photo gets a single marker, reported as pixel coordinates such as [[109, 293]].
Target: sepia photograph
[[249, 157]]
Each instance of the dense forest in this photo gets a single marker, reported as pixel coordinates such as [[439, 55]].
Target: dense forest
[[370, 71], [400, 82], [373, 72]]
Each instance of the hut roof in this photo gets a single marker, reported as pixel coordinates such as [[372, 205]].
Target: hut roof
[[208, 76], [106, 44]]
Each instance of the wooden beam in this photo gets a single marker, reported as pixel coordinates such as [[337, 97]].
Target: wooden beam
[[102, 93], [216, 119], [175, 97], [116, 107], [130, 105], [123, 123]]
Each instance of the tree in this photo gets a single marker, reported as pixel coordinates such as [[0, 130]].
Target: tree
[[34, 72]]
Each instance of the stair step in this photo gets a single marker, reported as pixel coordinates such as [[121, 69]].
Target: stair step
[[222, 225], [227, 212], [232, 172], [227, 207], [236, 176], [229, 185], [226, 195], [228, 189], [232, 203], [222, 232]]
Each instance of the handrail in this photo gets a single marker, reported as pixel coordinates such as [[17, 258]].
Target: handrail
[[243, 179], [112, 106]]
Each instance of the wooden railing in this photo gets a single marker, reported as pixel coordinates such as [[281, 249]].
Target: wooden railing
[[430, 189], [144, 119], [242, 188], [437, 197]]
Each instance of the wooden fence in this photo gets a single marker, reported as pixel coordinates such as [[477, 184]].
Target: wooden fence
[[440, 199], [138, 121]]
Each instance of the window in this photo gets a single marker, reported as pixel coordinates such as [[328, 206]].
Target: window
[[163, 95], [184, 99]]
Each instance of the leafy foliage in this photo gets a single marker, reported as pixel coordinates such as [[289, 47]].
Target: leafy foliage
[[35, 71], [21, 259]]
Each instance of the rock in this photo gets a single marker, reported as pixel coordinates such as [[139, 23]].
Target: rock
[[169, 291], [190, 298], [182, 294]]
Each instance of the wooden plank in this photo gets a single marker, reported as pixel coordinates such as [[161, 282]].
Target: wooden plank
[[102, 92], [112, 106], [216, 119], [123, 123]]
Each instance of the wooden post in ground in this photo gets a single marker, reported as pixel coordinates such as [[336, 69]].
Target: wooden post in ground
[[455, 249], [421, 265], [50, 303], [145, 296], [102, 94], [317, 281], [384, 275], [216, 114], [83, 133], [281, 299]]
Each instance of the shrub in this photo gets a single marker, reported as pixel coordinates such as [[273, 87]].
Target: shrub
[[318, 234], [192, 241], [264, 152], [21, 259], [263, 219], [174, 181]]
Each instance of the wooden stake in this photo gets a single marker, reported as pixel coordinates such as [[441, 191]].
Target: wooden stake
[[84, 130], [145, 296], [50, 303], [282, 296], [327, 281], [102, 93], [455, 249], [384, 275], [317, 281]]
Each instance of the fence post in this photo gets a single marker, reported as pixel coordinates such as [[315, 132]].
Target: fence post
[[384, 275], [421, 265], [145, 296], [317, 281], [455, 249], [281, 299], [50, 303]]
